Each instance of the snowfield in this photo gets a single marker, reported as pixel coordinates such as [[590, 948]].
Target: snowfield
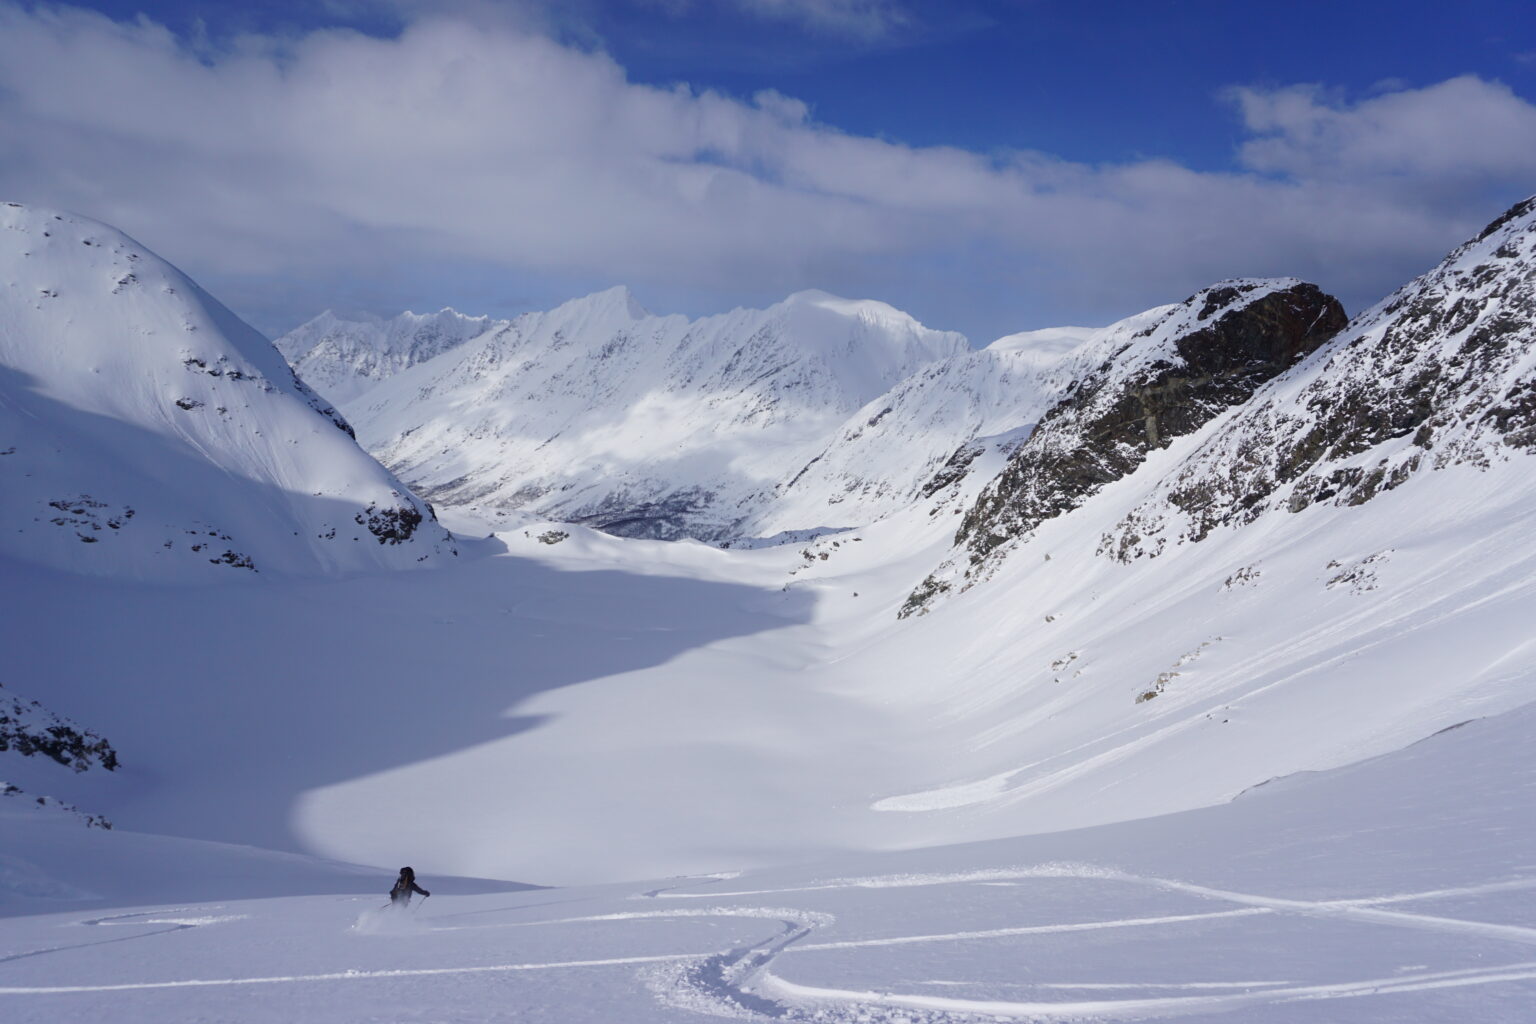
[[1326, 897]]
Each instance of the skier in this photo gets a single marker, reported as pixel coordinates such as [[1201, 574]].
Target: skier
[[400, 895]]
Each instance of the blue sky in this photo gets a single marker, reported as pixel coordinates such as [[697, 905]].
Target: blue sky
[[989, 165]]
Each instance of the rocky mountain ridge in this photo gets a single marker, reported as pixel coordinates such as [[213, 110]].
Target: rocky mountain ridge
[[1146, 381], [1441, 373], [924, 435], [1312, 409]]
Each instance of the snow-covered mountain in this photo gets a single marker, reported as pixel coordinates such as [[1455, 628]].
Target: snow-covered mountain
[[1442, 373], [923, 436], [1137, 386], [947, 405], [146, 431], [600, 413], [343, 357]]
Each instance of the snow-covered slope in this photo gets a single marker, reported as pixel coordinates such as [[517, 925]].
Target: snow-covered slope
[[342, 357], [923, 435], [146, 431], [598, 412]]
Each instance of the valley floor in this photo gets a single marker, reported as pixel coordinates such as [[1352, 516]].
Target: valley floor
[[1401, 889], [806, 776]]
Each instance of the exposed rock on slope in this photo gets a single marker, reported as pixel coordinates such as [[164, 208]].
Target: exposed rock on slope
[[31, 730], [601, 413], [146, 431], [1148, 380], [1442, 372], [341, 358]]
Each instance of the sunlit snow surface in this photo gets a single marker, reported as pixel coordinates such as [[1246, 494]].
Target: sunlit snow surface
[[1400, 889]]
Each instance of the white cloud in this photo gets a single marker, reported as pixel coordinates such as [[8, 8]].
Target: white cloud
[[331, 159], [1459, 129]]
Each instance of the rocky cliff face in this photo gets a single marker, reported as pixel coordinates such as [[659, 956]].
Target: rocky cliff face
[[1147, 381], [1443, 372]]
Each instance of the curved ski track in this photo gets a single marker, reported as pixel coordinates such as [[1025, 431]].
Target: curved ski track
[[741, 983]]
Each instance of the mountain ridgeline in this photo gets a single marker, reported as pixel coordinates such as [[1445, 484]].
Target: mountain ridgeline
[[820, 414], [190, 443], [604, 414], [1441, 373], [1152, 380]]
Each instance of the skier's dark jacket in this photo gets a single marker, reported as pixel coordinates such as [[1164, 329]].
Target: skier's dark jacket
[[404, 886]]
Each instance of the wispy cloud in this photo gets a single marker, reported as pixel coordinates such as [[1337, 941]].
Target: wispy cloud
[[328, 160], [866, 18]]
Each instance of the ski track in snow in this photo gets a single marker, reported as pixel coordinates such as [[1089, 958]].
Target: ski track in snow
[[175, 924], [739, 983]]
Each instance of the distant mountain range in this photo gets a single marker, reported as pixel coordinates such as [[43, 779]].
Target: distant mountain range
[[600, 413]]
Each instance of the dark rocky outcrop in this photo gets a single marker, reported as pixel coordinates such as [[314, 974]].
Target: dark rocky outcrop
[[1162, 376], [390, 525], [1104, 428], [1438, 374], [31, 729], [954, 469]]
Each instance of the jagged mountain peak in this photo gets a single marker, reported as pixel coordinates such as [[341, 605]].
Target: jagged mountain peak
[[343, 356], [1175, 331], [617, 303]]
